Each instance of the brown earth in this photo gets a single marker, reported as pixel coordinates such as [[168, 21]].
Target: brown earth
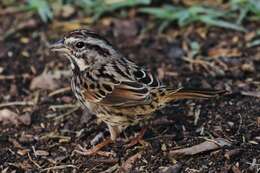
[[47, 135]]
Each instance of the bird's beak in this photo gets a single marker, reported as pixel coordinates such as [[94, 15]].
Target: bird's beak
[[58, 46]]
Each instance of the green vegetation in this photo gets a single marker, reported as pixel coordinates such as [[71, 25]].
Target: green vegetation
[[42, 7], [93, 8], [232, 17], [245, 8], [96, 8], [184, 16]]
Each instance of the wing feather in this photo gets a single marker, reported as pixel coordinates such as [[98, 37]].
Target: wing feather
[[120, 83]]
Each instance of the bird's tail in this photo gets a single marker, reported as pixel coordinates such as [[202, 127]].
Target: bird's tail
[[182, 93]]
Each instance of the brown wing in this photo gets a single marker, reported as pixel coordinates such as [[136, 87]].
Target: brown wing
[[120, 83]]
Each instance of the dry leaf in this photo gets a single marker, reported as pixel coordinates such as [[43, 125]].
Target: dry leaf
[[251, 93], [223, 52], [7, 116], [171, 169], [202, 147], [44, 81], [248, 67], [129, 163], [41, 153]]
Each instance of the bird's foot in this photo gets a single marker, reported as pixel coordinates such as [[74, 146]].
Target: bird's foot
[[96, 149], [138, 139]]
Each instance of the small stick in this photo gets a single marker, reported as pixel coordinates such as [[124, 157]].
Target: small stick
[[58, 167], [17, 103], [67, 113], [59, 91], [35, 163], [53, 107], [11, 77]]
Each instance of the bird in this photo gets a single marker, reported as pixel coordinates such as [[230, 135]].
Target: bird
[[118, 91]]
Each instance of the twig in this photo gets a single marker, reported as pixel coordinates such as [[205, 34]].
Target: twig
[[64, 106], [17, 103], [58, 167], [129, 163], [111, 169], [55, 136], [240, 124], [251, 93], [100, 153], [12, 77], [59, 91], [67, 113], [35, 163]]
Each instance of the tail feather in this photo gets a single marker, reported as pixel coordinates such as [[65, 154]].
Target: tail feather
[[192, 94]]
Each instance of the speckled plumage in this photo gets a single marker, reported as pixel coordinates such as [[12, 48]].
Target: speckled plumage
[[118, 91]]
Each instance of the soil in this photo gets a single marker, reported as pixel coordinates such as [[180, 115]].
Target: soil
[[48, 140]]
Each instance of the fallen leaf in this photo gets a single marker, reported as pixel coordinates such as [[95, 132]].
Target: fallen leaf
[[129, 163], [224, 52], [41, 153], [44, 81], [248, 67], [7, 116], [171, 169], [251, 93], [202, 147], [25, 119]]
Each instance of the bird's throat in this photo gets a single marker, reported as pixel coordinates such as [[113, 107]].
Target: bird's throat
[[78, 64]]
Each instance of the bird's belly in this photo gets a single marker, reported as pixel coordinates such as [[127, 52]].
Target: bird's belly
[[124, 115]]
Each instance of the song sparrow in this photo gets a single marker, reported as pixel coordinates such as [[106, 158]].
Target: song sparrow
[[118, 91]]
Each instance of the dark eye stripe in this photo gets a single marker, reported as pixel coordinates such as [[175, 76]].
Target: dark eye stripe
[[100, 50]]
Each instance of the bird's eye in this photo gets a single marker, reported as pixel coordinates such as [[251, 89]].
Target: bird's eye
[[79, 44]]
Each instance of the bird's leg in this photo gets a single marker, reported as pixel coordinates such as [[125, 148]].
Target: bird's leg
[[114, 132], [137, 139]]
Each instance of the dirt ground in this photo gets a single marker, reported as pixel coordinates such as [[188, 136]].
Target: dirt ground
[[46, 125]]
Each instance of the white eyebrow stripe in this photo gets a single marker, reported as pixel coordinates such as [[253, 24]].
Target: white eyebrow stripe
[[98, 42], [71, 40]]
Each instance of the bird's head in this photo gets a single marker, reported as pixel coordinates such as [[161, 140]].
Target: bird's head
[[84, 47]]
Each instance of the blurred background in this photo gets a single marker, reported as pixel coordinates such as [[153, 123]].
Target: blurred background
[[192, 43]]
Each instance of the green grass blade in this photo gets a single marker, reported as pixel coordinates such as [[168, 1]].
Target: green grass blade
[[222, 23], [42, 8]]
